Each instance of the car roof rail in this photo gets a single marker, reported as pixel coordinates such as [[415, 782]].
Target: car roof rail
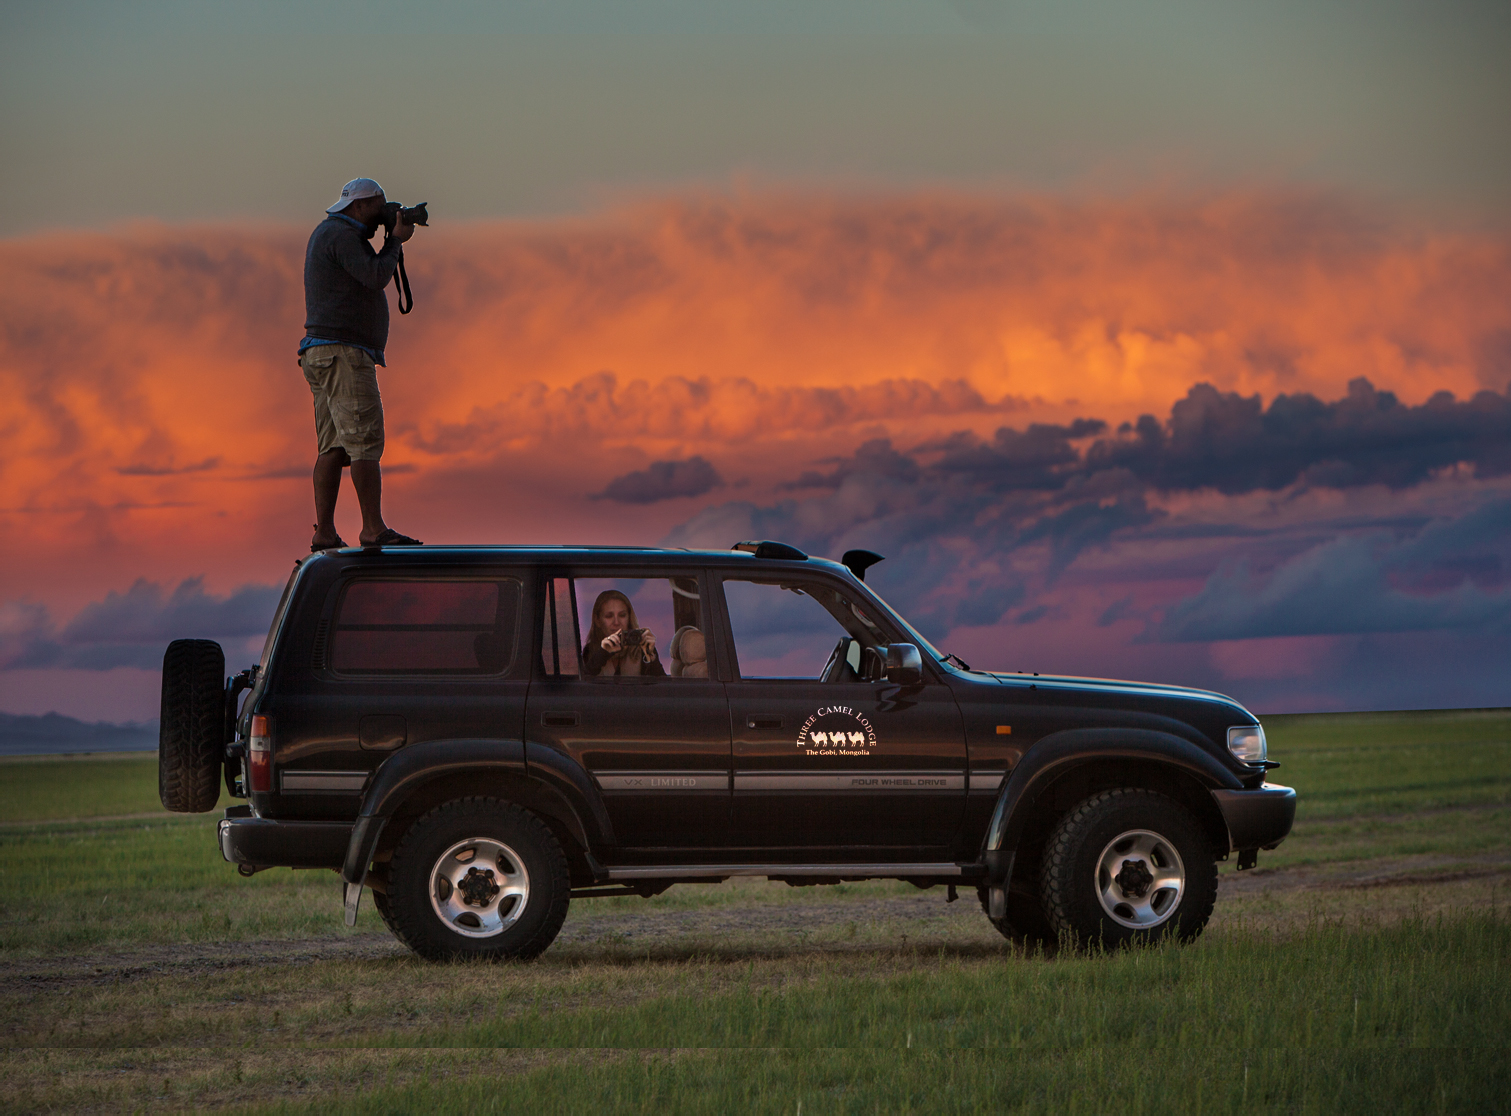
[[769, 549]]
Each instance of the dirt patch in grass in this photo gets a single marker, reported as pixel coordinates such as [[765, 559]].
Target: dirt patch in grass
[[1289, 898], [189, 959], [1403, 871], [184, 1079]]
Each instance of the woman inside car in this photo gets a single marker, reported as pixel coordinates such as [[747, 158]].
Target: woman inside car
[[616, 642]]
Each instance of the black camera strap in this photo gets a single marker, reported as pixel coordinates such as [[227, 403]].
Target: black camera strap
[[401, 283]]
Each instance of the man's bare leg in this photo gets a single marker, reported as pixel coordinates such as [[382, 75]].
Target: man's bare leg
[[327, 475], [367, 479]]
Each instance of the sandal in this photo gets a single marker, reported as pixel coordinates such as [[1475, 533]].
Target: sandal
[[391, 537], [339, 544]]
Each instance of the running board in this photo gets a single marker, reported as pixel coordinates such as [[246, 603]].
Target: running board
[[849, 871]]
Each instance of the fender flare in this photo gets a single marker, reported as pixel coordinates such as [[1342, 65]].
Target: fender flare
[[1058, 752], [410, 769]]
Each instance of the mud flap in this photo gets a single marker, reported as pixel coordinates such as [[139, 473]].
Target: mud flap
[[353, 898]]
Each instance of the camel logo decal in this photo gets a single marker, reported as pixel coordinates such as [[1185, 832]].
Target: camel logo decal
[[836, 730], [838, 739]]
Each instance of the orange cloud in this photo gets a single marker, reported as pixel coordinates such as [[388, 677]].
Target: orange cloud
[[156, 424]]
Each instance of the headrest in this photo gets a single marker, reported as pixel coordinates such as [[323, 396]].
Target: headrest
[[693, 647]]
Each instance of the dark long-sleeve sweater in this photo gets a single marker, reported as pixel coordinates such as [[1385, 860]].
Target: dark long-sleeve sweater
[[343, 284]]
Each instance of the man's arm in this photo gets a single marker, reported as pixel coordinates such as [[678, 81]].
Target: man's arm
[[373, 270]]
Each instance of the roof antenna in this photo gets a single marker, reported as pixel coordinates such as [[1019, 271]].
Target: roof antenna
[[860, 561]]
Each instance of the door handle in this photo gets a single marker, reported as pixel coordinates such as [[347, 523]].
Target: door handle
[[381, 731], [763, 722], [560, 719]]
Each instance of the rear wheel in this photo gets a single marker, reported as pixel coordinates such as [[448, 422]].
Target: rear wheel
[[477, 878], [1128, 866], [190, 742]]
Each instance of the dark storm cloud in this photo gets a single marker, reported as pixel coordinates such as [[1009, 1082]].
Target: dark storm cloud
[[969, 524], [1223, 440], [1343, 586], [875, 458], [663, 480], [1035, 458], [131, 628], [1451, 573]]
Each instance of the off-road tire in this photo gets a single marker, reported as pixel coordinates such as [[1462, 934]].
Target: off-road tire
[[1083, 840], [190, 744], [412, 915], [383, 907]]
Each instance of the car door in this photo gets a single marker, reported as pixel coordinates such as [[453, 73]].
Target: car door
[[825, 759], [655, 738]]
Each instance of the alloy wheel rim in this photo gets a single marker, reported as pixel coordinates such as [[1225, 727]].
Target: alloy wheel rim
[[1140, 879], [479, 887]]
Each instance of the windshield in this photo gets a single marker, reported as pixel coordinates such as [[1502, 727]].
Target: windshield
[[918, 638]]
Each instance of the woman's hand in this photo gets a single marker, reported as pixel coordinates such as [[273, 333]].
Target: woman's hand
[[648, 645], [610, 643]]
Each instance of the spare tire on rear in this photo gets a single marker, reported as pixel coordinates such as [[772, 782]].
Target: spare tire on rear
[[190, 742]]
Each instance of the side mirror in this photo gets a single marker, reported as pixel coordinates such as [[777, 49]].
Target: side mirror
[[904, 664]]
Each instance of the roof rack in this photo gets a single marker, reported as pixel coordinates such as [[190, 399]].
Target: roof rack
[[769, 549]]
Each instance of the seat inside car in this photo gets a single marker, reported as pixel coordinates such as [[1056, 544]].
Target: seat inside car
[[689, 653]]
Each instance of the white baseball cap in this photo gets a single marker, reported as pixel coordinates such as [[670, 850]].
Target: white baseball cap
[[356, 190]]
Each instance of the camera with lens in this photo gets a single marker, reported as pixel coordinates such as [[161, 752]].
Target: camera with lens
[[632, 637], [412, 214]]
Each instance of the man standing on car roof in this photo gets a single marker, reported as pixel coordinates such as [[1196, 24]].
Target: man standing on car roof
[[345, 330]]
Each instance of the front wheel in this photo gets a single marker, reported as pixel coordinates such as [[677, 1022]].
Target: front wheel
[[477, 878], [1128, 866]]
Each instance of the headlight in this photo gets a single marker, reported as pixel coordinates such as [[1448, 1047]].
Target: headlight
[[1246, 742]]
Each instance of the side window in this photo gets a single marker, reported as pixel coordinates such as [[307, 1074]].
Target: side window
[[558, 644], [642, 626], [800, 630], [426, 626]]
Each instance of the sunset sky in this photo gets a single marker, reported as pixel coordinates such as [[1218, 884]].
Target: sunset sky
[[1169, 342]]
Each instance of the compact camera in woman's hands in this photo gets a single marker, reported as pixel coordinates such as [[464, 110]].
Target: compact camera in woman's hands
[[632, 637]]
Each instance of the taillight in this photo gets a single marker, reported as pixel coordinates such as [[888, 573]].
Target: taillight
[[260, 755]]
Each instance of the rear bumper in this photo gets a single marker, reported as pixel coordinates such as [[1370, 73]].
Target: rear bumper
[[270, 843], [1258, 818]]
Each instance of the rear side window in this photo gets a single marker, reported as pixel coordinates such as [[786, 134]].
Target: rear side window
[[426, 626]]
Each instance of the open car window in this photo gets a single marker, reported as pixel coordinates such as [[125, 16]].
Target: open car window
[[800, 630], [660, 623]]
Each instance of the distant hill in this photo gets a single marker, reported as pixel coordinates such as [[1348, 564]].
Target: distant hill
[[54, 734]]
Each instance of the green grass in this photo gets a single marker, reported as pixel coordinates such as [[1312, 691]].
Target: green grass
[[74, 886], [93, 786], [1370, 763], [141, 972], [853, 1080], [1352, 1017], [1416, 984]]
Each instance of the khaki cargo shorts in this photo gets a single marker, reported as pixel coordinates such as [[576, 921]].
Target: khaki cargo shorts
[[348, 408]]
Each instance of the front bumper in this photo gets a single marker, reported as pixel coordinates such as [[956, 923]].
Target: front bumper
[[270, 843], [1258, 818]]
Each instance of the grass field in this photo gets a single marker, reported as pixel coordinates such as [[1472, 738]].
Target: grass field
[[1361, 967]]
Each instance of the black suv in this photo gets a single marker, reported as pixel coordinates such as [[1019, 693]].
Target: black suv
[[481, 734]]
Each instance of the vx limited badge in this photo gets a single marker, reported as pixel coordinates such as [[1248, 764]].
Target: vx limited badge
[[836, 730]]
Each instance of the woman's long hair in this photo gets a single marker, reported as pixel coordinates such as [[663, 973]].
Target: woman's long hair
[[598, 633]]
